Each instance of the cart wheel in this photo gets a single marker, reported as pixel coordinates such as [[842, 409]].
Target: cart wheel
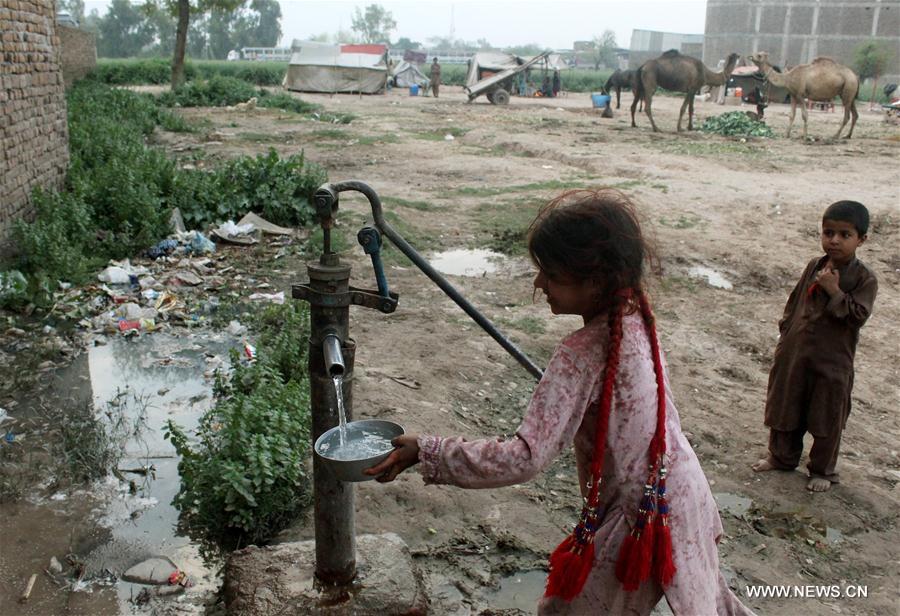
[[501, 97], [490, 97]]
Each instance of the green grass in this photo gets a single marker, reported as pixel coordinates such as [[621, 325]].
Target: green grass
[[439, 135], [713, 149], [423, 206], [491, 191], [532, 326], [685, 221]]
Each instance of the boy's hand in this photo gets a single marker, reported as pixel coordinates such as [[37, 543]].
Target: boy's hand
[[828, 278], [405, 454]]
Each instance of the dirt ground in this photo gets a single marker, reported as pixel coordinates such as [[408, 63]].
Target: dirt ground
[[462, 176]]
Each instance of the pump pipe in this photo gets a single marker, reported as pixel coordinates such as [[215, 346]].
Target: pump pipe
[[334, 359], [332, 191]]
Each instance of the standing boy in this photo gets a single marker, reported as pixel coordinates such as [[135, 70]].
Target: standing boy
[[435, 77], [812, 373]]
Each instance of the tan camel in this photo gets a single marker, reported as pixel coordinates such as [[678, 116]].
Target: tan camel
[[820, 80], [677, 73]]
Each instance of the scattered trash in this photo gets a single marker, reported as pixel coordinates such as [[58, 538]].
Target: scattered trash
[[154, 571], [55, 566], [249, 351], [264, 225], [114, 275], [13, 285], [411, 383], [448, 137], [163, 249], [236, 329], [546, 166], [277, 298], [4, 416], [28, 588], [186, 278], [200, 244], [231, 233], [177, 221]]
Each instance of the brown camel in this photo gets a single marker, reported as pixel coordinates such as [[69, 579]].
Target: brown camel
[[678, 73], [820, 80]]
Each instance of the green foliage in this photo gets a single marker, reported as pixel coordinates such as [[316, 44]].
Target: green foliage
[[872, 58], [244, 477], [217, 91], [280, 190], [375, 25], [736, 124], [158, 71], [120, 192]]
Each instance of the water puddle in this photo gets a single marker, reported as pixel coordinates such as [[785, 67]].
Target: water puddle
[[713, 278], [164, 377], [732, 503], [118, 522], [520, 591], [462, 262]]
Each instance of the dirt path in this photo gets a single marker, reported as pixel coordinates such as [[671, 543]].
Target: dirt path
[[748, 212]]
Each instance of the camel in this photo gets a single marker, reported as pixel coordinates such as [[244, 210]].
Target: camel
[[618, 80], [678, 73], [820, 80]]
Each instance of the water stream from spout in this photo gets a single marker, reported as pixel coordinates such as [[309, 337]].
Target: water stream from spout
[[342, 414]]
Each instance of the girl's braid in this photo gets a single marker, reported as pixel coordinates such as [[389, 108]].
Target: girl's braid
[[658, 444], [614, 346]]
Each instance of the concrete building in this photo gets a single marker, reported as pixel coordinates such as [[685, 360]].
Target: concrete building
[[796, 31], [649, 44]]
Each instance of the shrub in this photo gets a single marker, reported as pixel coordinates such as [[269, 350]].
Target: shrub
[[158, 71], [244, 477], [281, 190], [217, 91]]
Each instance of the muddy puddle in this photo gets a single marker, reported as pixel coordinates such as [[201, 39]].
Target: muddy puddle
[[463, 262], [136, 385]]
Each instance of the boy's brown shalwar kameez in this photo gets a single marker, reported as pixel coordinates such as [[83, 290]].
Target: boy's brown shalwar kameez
[[812, 374]]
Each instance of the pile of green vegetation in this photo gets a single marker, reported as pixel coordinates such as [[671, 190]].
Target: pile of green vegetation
[[158, 71], [119, 192], [736, 124], [244, 477]]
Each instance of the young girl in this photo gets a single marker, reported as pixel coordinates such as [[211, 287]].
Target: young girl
[[649, 525]]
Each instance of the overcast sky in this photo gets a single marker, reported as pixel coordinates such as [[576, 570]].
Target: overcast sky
[[551, 23]]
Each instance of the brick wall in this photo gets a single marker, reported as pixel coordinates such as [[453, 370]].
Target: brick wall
[[33, 131], [78, 52], [796, 31]]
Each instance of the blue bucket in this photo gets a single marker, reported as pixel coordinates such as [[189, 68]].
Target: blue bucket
[[600, 100], [414, 90]]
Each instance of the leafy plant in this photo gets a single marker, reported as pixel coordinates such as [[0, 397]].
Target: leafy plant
[[244, 477], [736, 124]]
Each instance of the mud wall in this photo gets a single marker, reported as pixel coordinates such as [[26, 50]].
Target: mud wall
[[78, 53], [795, 32], [33, 131]]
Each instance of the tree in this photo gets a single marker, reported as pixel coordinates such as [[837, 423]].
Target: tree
[[405, 43], [123, 31], [267, 30], [183, 9], [529, 49], [605, 50], [871, 58], [75, 8], [375, 25]]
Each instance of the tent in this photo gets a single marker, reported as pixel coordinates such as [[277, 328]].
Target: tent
[[321, 67], [407, 74]]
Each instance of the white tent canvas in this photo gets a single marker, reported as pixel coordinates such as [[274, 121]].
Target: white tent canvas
[[407, 74], [320, 67], [496, 61]]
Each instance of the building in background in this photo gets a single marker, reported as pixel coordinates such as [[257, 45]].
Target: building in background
[[795, 32], [649, 44]]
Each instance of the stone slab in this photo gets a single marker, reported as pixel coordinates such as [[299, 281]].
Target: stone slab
[[280, 579]]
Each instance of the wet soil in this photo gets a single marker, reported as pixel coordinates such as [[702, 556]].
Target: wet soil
[[718, 209]]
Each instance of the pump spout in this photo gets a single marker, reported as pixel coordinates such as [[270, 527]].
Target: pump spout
[[334, 359]]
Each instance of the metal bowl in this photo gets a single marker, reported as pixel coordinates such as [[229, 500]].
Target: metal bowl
[[352, 470]]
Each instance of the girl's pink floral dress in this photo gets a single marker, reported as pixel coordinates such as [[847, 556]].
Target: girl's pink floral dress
[[563, 410]]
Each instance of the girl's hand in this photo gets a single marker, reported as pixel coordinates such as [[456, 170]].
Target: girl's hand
[[405, 454]]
